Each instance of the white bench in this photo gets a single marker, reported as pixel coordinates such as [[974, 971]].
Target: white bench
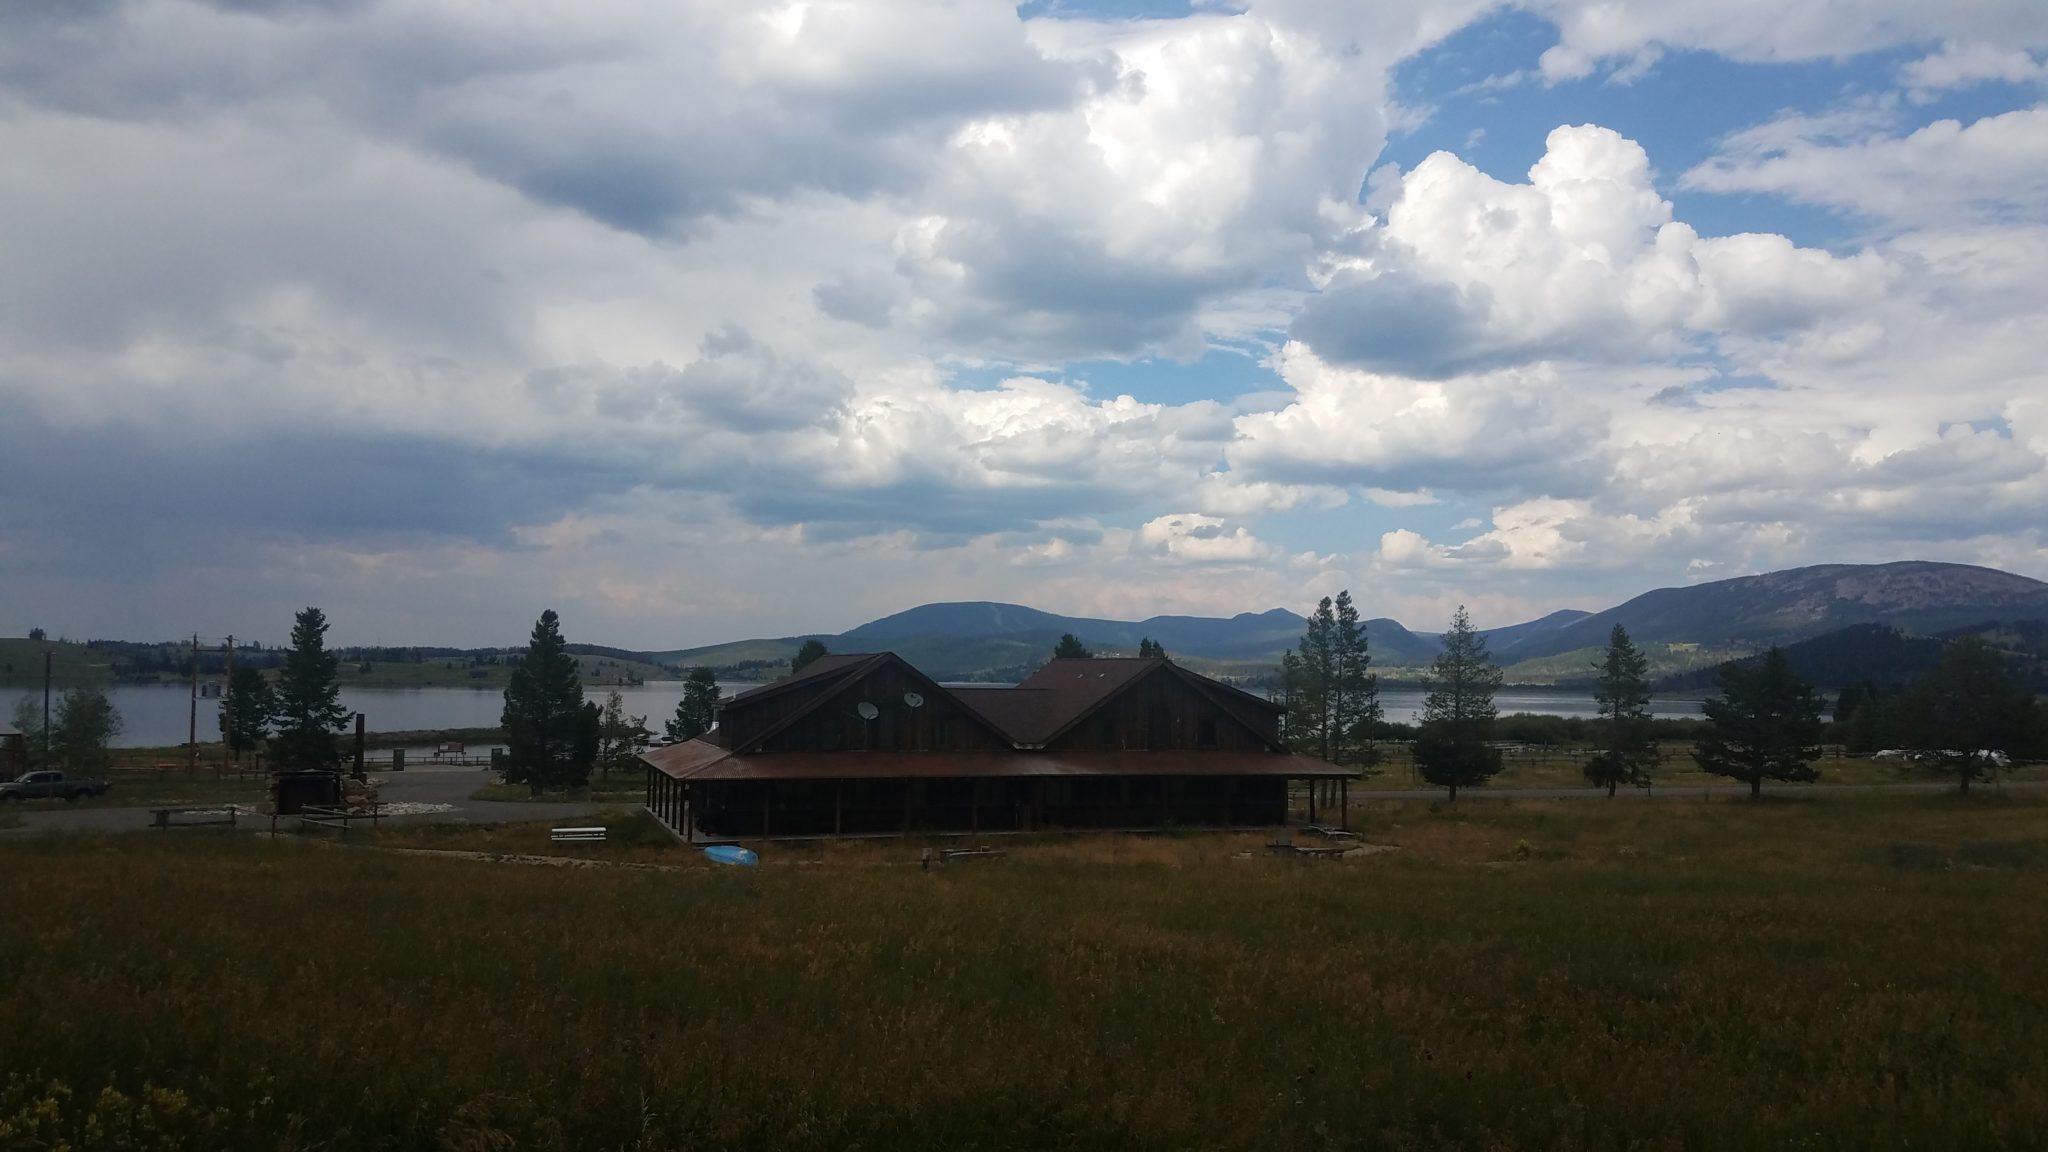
[[578, 835]]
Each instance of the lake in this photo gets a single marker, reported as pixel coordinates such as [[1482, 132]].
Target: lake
[[156, 714]]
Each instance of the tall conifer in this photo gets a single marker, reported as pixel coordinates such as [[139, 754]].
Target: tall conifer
[[1451, 751], [1628, 750], [309, 711]]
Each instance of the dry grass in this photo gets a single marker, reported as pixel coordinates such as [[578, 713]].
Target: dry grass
[[1854, 973]]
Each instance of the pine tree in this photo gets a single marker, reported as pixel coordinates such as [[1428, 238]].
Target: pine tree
[[1765, 725], [1451, 750], [1628, 748], [1071, 648], [247, 710], [1150, 649], [1356, 696], [309, 710], [551, 732], [1971, 704], [1290, 698], [621, 738], [811, 650], [1315, 696], [695, 711]]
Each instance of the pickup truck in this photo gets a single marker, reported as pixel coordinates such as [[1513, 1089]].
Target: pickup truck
[[48, 785]]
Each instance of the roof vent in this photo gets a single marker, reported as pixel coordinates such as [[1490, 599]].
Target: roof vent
[[913, 700], [867, 711]]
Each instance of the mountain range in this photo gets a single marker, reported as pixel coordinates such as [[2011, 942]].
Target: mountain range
[[1682, 627]]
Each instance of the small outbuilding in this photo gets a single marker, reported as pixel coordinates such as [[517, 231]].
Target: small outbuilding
[[865, 744]]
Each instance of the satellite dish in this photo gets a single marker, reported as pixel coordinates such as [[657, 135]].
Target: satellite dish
[[867, 711], [913, 699]]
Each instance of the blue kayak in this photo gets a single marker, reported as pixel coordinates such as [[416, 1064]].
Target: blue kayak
[[730, 854]]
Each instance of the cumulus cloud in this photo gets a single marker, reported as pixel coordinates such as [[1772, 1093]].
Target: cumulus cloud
[[1585, 261], [690, 319], [1193, 538]]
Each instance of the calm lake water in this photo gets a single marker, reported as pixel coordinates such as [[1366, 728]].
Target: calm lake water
[[156, 714]]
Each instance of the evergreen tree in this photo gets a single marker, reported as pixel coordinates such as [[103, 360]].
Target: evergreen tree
[[1290, 699], [1628, 746], [1071, 648], [1313, 722], [1765, 725], [247, 709], [1970, 705], [1355, 710], [84, 725], [811, 650], [1451, 750], [1151, 649], [309, 710], [694, 712], [551, 732], [621, 738]]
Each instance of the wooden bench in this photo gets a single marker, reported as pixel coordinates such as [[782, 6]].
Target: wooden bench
[[984, 852], [1328, 832], [197, 817], [577, 836]]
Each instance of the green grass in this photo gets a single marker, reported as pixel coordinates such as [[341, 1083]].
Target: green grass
[[1855, 973]]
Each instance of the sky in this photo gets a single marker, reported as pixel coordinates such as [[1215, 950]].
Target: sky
[[699, 320]]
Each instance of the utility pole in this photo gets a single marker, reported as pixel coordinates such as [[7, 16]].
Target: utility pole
[[192, 741], [47, 655], [228, 703]]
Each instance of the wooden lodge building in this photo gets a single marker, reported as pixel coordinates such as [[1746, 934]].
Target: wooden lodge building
[[866, 744]]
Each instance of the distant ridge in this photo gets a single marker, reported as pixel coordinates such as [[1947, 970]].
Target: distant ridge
[[1918, 596], [984, 639]]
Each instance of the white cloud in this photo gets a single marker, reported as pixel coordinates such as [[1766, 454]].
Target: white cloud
[[1967, 65], [1585, 261], [1591, 32], [1993, 169]]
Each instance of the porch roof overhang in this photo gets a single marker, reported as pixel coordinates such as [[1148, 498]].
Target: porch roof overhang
[[690, 761]]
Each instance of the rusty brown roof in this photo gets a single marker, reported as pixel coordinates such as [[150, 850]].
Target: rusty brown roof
[[1070, 689], [701, 765], [831, 665]]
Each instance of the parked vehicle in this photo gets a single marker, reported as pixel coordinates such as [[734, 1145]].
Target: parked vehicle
[[49, 784]]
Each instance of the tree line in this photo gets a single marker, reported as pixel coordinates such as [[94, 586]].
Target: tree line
[[1764, 725]]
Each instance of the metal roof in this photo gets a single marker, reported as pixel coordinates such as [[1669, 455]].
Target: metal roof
[[714, 763]]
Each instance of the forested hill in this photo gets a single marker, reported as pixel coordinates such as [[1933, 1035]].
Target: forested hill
[[1882, 655], [1916, 596]]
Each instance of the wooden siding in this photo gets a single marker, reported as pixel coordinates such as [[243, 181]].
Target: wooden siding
[[1163, 713]]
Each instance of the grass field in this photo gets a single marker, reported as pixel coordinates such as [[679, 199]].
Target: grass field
[[1856, 972]]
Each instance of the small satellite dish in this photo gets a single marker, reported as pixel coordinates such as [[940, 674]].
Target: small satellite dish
[[867, 711], [913, 699]]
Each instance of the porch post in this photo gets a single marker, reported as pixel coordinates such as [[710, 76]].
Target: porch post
[[838, 794], [689, 823], [767, 791], [1344, 798]]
